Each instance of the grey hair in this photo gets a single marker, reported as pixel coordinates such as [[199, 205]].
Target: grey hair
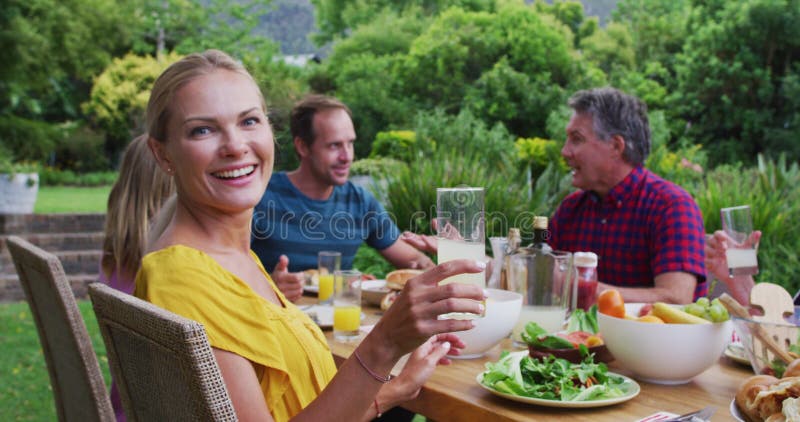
[[617, 113]]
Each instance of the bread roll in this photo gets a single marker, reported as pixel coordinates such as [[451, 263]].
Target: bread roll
[[388, 299], [791, 409], [764, 398], [747, 392], [312, 277], [793, 370], [397, 279]]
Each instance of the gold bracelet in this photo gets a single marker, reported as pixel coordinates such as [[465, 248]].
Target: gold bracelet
[[370, 371]]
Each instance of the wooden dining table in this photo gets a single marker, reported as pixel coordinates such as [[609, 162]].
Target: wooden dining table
[[453, 394]]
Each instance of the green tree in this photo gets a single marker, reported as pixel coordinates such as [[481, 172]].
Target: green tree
[[657, 27], [187, 26], [337, 19], [568, 12], [46, 66], [510, 66], [737, 79], [360, 72], [611, 49], [506, 95], [44, 59], [161, 30]]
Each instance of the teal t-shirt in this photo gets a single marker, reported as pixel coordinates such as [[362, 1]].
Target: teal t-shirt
[[286, 222]]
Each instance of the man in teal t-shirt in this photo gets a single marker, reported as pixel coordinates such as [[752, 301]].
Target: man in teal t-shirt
[[315, 207]]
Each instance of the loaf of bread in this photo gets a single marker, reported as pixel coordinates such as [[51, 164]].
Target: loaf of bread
[[388, 299], [766, 398], [397, 279]]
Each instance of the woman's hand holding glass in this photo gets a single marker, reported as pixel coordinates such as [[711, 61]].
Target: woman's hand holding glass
[[414, 316]]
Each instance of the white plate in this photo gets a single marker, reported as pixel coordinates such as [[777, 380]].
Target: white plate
[[633, 392], [736, 413], [374, 286], [371, 290], [736, 353]]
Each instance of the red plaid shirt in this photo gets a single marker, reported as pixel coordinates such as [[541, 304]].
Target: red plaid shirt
[[645, 226]]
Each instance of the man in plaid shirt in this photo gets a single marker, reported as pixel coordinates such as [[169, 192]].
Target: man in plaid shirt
[[648, 232]]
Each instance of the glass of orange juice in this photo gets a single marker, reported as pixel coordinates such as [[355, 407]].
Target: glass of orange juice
[[328, 262], [346, 305]]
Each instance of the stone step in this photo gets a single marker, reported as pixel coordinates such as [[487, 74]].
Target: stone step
[[11, 289], [53, 242], [74, 262], [51, 223]]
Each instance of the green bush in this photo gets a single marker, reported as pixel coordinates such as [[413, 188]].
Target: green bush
[[120, 94], [538, 153], [440, 134], [377, 167], [82, 151], [28, 140], [9, 167], [50, 176], [370, 261], [397, 144]]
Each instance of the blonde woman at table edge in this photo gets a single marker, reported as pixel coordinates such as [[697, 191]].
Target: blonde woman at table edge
[[208, 129]]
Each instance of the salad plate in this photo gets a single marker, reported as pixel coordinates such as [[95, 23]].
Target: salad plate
[[632, 388]]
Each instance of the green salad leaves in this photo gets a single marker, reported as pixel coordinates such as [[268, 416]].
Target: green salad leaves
[[553, 379], [579, 321]]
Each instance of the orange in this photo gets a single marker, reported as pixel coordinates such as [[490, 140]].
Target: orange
[[650, 318], [610, 303]]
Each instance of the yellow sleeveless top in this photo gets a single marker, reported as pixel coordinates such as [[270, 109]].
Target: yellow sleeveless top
[[289, 352]]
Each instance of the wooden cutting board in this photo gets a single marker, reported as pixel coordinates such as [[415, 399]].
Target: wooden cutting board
[[776, 304]]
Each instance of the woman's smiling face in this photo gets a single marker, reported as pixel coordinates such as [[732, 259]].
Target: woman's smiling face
[[220, 144]]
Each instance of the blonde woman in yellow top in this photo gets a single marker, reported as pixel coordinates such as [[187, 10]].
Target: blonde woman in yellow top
[[208, 129]]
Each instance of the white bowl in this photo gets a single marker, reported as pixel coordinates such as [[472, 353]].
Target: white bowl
[[502, 311], [663, 353]]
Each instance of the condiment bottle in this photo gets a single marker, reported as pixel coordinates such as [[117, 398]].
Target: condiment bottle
[[541, 235], [586, 268], [513, 242]]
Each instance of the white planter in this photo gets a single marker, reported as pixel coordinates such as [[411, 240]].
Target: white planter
[[18, 193]]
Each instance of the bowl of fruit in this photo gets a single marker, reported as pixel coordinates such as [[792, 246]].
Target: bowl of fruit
[[662, 343], [581, 338]]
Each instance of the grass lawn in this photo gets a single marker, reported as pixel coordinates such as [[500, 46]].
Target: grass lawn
[[63, 199], [25, 393]]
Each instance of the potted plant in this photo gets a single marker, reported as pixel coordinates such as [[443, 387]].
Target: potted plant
[[19, 185]]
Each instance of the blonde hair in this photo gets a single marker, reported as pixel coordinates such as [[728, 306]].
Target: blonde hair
[[181, 73], [136, 196]]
